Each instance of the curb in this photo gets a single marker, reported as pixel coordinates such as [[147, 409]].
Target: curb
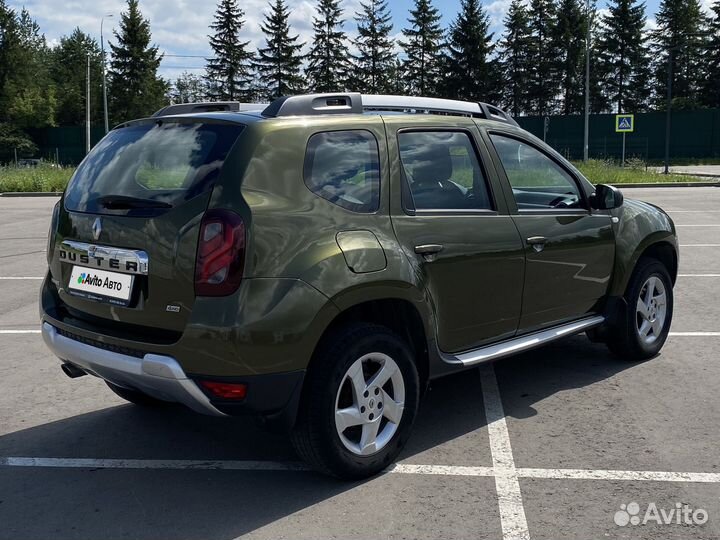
[[668, 184], [31, 194]]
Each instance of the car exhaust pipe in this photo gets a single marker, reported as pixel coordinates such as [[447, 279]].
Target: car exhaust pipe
[[72, 371]]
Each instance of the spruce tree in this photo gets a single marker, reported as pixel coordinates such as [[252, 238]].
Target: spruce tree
[[328, 61], [543, 85], [71, 83], [471, 73], [279, 62], [375, 66], [710, 95], [676, 38], [423, 49], [569, 38], [623, 56], [228, 71], [515, 59], [135, 88]]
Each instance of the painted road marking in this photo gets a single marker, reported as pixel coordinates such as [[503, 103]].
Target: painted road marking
[[19, 331], [19, 278], [698, 275], [507, 485], [694, 334], [398, 468], [699, 245]]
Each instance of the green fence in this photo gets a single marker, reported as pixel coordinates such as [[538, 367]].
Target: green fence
[[693, 134], [64, 144]]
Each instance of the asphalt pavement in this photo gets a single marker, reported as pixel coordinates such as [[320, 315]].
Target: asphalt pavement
[[564, 442]]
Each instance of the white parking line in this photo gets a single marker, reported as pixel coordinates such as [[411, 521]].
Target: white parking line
[[694, 334], [398, 468], [698, 245], [19, 331], [585, 474], [19, 278], [512, 513], [700, 225], [698, 275]]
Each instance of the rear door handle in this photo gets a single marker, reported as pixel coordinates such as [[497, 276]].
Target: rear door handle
[[429, 251], [537, 242]]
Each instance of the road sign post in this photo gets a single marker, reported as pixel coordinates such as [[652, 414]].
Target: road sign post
[[624, 123]]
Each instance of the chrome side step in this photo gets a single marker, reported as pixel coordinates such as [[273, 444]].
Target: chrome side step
[[521, 343]]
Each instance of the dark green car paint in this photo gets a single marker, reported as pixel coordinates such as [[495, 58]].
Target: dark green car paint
[[308, 260]]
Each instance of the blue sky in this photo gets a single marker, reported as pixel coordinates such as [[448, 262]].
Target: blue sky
[[180, 27]]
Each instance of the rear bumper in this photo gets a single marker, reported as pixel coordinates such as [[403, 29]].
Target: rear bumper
[[157, 375]]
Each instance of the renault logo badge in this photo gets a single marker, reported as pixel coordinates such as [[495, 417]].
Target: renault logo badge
[[97, 228]]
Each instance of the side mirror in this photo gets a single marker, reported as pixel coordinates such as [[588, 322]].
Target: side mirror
[[606, 197]]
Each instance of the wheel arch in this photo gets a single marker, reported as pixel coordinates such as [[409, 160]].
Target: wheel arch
[[398, 313]]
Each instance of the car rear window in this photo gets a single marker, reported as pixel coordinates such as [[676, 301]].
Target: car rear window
[[165, 162], [344, 168]]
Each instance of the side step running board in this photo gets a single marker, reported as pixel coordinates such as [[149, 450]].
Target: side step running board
[[521, 343]]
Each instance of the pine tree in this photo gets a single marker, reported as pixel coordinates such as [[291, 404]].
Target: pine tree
[[623, 56], [278, 64], [328, 61], [32, 98], [135, 88], [569, 36], [711, 88], [423, 49], [676, 38], [375, 66], [543, 85], [71, 53], [515, 59], [471, 72], [228, 71]]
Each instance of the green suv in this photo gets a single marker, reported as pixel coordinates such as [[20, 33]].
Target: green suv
[[318, 262]]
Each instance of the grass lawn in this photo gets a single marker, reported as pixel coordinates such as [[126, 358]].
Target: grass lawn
[[47, 178], [604, 172], [41, 178]]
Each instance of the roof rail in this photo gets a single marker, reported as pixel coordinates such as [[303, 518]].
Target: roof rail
[[355, 103], [229, 106]]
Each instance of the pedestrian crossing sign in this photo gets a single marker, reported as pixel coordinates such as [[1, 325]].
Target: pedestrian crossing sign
[[624, 123]]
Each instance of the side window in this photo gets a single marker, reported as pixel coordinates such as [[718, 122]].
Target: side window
[[344, 168], [538, 183], [442, 171]]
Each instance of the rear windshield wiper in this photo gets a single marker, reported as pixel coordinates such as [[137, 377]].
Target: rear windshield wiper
[[124, 202]]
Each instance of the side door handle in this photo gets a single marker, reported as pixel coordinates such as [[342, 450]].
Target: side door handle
[[429, 251], [537, 242]]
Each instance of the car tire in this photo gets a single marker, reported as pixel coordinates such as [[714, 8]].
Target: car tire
[[642, 329], [135, 396], [353, 372]]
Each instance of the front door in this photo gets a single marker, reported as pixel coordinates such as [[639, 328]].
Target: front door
[[570, 251], [452, 222]]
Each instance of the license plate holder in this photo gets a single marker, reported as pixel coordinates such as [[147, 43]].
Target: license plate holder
[[101, 285]]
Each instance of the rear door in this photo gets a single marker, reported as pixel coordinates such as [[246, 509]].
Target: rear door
[[450, 217], [126, 240], [570, 250]]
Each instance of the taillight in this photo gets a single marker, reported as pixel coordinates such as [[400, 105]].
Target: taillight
[[221, 254]]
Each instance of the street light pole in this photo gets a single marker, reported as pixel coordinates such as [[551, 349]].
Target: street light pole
[[667, 111], [87, 109], [104, 84], [586, 140]]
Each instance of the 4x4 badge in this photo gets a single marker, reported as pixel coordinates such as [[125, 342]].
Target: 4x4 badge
[[97, 228]]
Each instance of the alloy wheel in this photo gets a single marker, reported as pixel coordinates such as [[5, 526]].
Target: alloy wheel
[[369, 404]]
